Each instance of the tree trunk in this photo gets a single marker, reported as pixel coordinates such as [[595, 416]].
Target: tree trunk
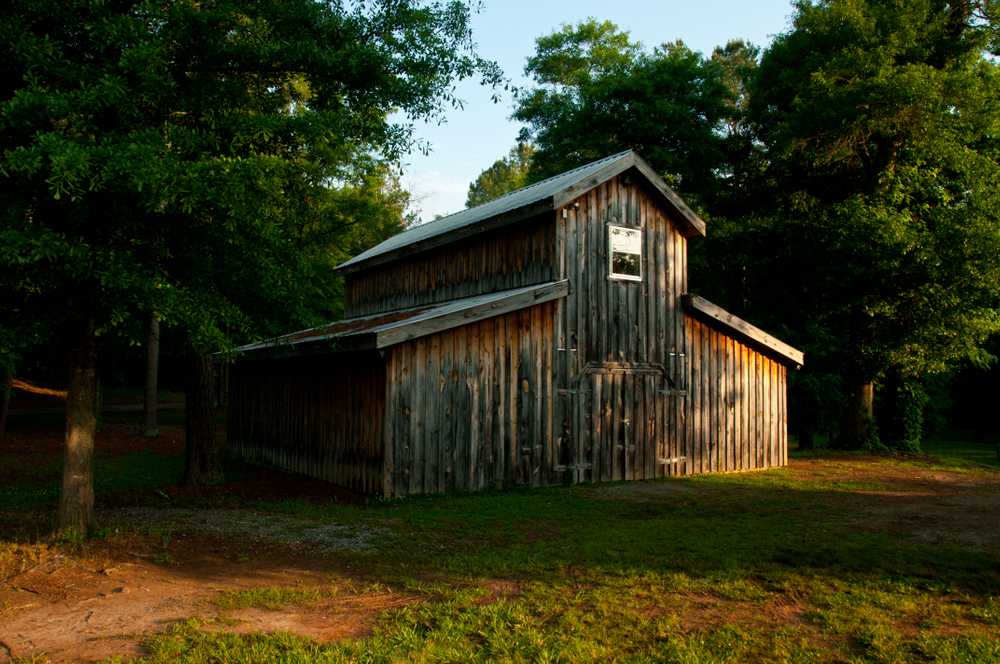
[[150, 430], [859, 421], [204, 455], [76, 504], [5, 387]]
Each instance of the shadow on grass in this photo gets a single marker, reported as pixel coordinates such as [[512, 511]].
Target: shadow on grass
[[852, 541], [940, 530]]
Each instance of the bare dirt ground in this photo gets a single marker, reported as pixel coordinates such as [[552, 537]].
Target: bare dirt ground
[[86, 609], [921, 502], [158, 564]]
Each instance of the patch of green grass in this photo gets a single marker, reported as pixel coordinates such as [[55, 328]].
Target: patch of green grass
[[457, 628], [958, 450], [622, 620], [975, 649], [39, 488], [768, 567], [988, 613], [140, 470]]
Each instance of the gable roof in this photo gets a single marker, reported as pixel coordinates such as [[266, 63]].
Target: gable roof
[[716, 316], [390, 328], [547, 195]]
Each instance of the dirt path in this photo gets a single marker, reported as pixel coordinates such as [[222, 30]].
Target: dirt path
[[85, 610]]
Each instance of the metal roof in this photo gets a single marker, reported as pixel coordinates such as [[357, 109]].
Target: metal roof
[[387, 329], [517, 205]]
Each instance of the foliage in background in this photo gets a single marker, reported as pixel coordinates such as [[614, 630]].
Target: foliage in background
[[505, 175], [881, 123], [901, 412], [847, 174], [597, 92], [178, 156]]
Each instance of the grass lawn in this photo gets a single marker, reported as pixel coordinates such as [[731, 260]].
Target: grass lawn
[[837, 558], [958, 449]]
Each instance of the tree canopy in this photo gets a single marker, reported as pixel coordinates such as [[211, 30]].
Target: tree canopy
[[847, 172], [199, 159], [881, 122], [505, 175], [597, 92]]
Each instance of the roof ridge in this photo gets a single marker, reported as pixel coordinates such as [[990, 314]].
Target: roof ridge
[[517, 205], [617, 155]]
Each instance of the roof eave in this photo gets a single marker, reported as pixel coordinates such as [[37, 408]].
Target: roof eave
[[407, 330], [735, 326], [689, 223], [348, 343], [424, 323]]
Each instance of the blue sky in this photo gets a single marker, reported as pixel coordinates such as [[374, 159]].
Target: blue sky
[[472, 138]]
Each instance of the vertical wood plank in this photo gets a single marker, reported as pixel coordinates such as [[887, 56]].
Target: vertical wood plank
[[417, 418], [598, 469]]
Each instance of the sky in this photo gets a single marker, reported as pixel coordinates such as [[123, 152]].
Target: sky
[[481, 132]]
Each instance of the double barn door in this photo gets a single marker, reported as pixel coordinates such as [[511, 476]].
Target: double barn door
[[624, 423]]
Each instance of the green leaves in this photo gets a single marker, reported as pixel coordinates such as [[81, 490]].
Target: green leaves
[[209, 160], [505, 175], [878, 124], [599, 93]]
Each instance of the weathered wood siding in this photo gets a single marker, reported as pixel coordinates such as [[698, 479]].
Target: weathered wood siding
[[736, 407], [612, 382], [319, 416], [511, 257], [471, 408], [620, 367]]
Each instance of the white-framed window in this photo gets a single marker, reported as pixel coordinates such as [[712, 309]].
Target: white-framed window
[[624, 253]]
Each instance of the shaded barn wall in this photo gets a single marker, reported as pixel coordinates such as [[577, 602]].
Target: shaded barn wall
[[317, 416], [621, 375], [736, 406], [511, 257], [471, 408]]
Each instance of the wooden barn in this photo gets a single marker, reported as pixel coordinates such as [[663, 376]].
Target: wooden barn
[[545, 337]]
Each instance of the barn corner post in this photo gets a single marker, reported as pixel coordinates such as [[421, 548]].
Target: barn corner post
[[388, 484], [203, 452]]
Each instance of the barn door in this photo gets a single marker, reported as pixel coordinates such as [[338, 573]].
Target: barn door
[[621, 426]]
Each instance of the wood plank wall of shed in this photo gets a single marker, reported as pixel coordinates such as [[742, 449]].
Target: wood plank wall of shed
[[471, 408], [737, 406], [511, 257], [620, 373], [320, 417]]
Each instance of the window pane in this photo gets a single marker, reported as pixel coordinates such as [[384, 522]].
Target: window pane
[[625, 251], [625, 264]]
